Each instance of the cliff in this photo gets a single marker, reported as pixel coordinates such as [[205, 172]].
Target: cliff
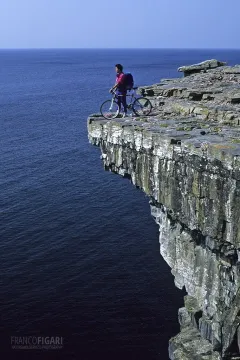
[[186, 158]]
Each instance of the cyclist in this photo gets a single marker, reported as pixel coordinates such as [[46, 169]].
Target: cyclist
[[121, 89]]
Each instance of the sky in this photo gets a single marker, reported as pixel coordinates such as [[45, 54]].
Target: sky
[[119, 24]]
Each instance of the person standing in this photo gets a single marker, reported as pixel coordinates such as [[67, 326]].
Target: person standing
[[121, 88]]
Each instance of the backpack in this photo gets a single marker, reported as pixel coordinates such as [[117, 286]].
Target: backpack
[[128, 81]]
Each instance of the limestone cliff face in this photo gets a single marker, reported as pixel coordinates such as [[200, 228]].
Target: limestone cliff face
[[193, 182]]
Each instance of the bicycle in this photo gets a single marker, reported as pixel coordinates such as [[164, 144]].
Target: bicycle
[[141, 106]]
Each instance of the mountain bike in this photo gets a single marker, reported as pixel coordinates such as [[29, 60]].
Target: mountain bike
[[141, 106]]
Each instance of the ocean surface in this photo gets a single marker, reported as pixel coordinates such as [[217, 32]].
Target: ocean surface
[[79, 252]]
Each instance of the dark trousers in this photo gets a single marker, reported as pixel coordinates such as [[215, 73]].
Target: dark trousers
[[122, 100]]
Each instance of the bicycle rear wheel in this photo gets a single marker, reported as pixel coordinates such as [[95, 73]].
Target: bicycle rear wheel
[[109, 109], [142, 106]]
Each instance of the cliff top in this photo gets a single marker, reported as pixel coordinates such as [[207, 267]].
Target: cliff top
[[200, 112]]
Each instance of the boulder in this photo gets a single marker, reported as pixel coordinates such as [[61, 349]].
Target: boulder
[[203, 66]]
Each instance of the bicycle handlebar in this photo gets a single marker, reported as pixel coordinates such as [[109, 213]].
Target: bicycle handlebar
[[115, 92]]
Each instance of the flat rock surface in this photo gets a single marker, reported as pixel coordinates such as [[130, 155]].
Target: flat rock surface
[[202, 109], [204, 65]]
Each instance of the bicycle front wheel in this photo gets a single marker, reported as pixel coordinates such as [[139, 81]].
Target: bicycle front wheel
[[142, 106], [109, 109]]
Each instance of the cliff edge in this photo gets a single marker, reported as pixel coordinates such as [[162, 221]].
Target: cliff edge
[[186, 158]]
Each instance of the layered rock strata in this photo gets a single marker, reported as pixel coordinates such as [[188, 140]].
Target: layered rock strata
[[186, 158]]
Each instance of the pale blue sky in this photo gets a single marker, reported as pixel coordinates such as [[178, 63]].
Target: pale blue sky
[[134, 23]]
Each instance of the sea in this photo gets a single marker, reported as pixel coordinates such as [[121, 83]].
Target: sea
[[79, 251]]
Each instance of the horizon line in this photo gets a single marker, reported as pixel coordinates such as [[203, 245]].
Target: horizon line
[[120, 48]]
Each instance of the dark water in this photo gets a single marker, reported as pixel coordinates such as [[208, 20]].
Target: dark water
[[79, 253]]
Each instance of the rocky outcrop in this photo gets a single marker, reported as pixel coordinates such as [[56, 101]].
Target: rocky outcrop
[[203, 66], [186, 158]]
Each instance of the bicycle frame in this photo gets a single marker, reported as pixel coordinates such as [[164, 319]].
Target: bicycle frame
[[139, 105], [133, 96]]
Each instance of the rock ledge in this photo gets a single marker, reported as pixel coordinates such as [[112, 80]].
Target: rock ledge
[[186, 158]]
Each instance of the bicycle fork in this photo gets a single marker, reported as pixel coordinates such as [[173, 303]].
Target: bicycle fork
[[111, 106]]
